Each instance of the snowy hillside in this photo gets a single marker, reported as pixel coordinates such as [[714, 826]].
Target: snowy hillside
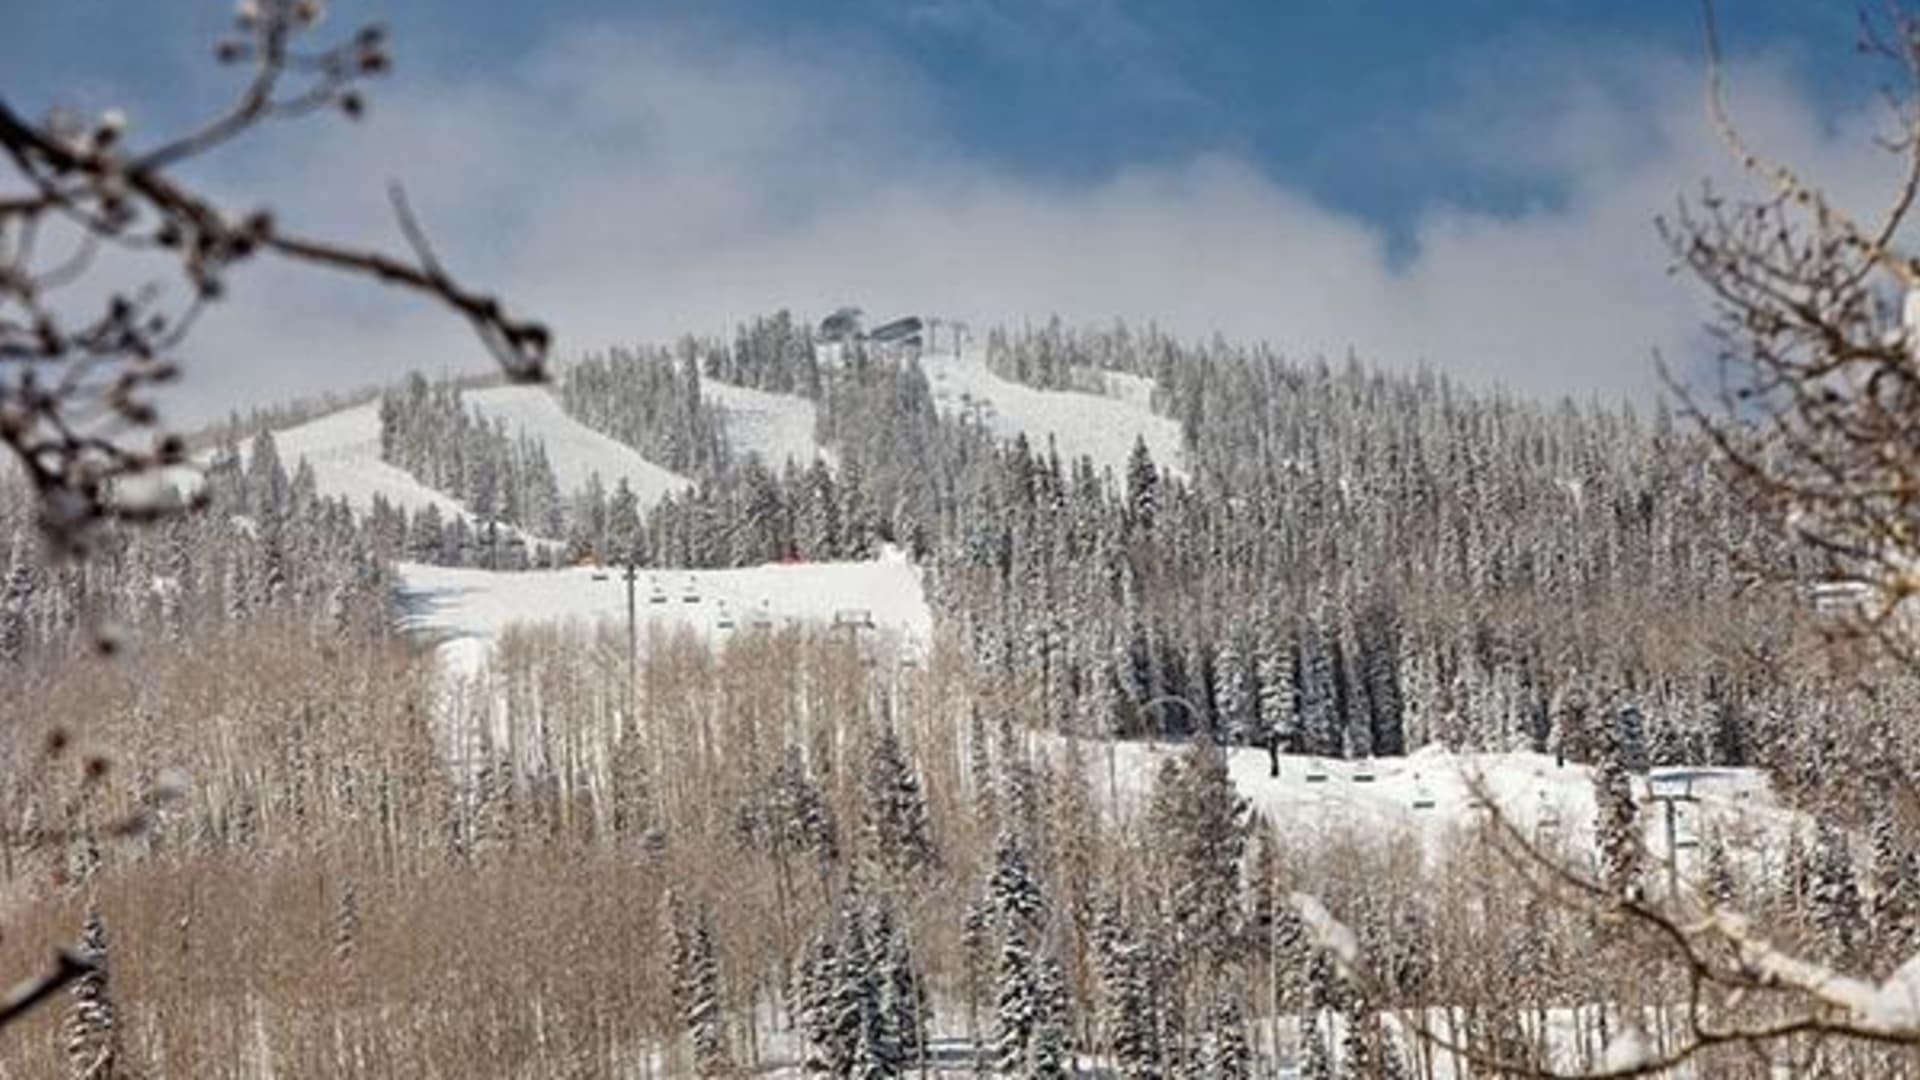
[[1102, 427], [575, 450], [1430, 792], [344, 450], [775, 426], [469, 608]]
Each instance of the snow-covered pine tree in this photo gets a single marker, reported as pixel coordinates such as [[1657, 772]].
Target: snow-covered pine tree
[[1143, 487], [696, 986], [859, 1021], [904, 1009], [16, 599], [898, 831], [1617, 830], [1224, 1051], [1630, 735], [815, 1003], [1199, 820], [1051, 1054], [1233, 694], [1320, 719], [92, 1030], [1835, 898], [1895, 876], [1013, 894], [1016, 1001], [1129, 1006], [1275, 671]]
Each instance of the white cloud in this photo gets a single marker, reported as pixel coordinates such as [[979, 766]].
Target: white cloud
[[635, 182]]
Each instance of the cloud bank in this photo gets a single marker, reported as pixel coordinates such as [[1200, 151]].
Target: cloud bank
[[633, 182]]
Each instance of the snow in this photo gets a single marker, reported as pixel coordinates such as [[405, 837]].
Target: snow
[[1628, 1049], [1431, 793], [1328, 932], [778, 427], [575, 451], [1100, 426], [1895, 1006], [344, 450], [467, 609]]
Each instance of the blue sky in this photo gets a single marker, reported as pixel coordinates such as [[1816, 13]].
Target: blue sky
[[1416, 156], [1326, 94]]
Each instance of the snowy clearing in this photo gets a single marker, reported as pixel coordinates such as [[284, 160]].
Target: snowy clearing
[[470, 608], [575, 450], [1102, 427], [1429, 793], [778, 427]]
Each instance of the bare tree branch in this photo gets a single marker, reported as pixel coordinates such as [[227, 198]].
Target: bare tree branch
[[76, 411]]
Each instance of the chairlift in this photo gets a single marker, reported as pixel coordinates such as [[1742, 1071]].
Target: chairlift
[[1364, 776], [690, 598], [1422, 800], [724, 623], [657, 598], [1316, 778], [599, 575], [859, 618]]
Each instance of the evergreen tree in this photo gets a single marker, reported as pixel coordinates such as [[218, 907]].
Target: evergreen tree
[[1618, 828], [1200, 823], [1016, 1002], [1143, 487], [1835, 899], [1277, 721], [1233, 697], [903, 1000], [1013, 895], [696, 988], [92, 1028], [1128, 1004], [898, 831], [1225, 1053], [16, 599], [1896, 891]]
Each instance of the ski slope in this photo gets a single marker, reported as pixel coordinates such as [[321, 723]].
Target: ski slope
[[468, 609], [778, 427], [1100, 426], [344, 450], [575, 451], [1431, 793]]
